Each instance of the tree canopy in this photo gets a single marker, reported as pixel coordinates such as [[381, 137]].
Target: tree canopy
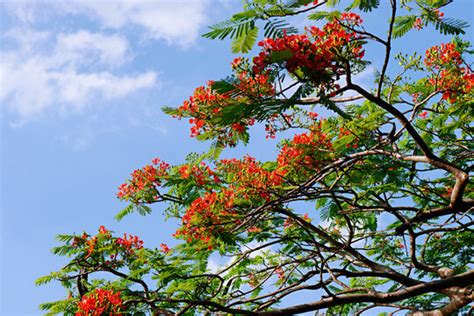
[[366, 209]]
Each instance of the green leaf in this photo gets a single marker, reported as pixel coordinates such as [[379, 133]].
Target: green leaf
[[226, 87], [143, 209], [403, 24], [280, 56], [215, 151], [129, 209], [44, 280], [64, 238], [364, 5], [450, 26], [333, 107], [232, 28], [62, 250], [140, 209], [245, 41], [277, 28], [170, 110], [320, 15], [303, 91]]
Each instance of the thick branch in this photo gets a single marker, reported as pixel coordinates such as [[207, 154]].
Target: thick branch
[[464, 279]]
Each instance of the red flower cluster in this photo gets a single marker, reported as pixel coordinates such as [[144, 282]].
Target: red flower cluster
[[123, 247], [209, 214], [437, 56], [144, 179], [129, 244], [92, 241], [418, 24], [206, 103], [200, 218], [449, 76], [310, 150], [254, 229], [317, 53], [201, 173], [439, 14], [100, 302], [165, 248], [250, 178]]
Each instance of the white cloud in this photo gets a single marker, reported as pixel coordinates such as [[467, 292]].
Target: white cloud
[[174, 21], [110, 50], [177, 22], [67, 75]]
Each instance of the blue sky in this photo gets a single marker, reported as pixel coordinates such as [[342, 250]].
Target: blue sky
[[81, 87]]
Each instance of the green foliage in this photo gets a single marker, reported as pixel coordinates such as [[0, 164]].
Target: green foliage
[[245, 41], [364, 5], [140, 209], [233, 28], [450, 26], [403, 24], [277, 28]]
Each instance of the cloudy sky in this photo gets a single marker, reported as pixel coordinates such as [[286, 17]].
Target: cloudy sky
[[81, 87]]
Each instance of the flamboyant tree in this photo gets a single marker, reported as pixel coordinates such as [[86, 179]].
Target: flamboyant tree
[[367, 207]]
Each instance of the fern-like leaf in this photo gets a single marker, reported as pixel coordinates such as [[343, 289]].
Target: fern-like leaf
[[403, 24], [277, 28], [303, 91], [364, 5], [140, 209], [451, 26], [333, 107], [245, 40]]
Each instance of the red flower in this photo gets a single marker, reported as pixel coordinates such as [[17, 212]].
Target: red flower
[[100, 302], [103, 230], [165, 248], [448, 75], [418, 24]]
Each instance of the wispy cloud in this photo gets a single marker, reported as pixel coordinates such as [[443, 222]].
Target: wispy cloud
[[177, 22], [65, 75]]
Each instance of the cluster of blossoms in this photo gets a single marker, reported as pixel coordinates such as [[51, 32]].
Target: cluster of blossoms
[[143, 181], [309, 150], [91, 241], [205, 217], [253, 85], [207, 104], [165, 248], [123, 248], [317, 54], [242, 181], [209, 214], [129, 244], [100, 302], [449, 77], [201, 174], [251, 179]]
